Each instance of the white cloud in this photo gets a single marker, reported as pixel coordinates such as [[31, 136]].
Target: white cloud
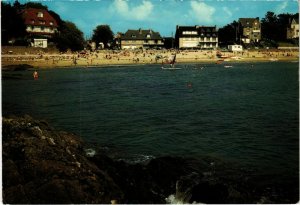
[[281, 7], [202, 12], [60, 7], [138, 12], [227, 11]]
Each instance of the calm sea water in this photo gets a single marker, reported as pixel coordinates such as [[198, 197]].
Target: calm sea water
[[244, 114]]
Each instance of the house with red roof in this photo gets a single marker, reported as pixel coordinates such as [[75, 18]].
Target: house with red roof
[[40, 25]]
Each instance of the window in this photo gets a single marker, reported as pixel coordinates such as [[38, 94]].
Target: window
[[32, 21], [148, 36], [40, 14], [190, 32], [51, 23], [42, 22]]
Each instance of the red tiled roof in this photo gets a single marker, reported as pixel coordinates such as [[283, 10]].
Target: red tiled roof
[[30, 16]]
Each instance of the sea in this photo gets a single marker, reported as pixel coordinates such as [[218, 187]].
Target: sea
[[245, 114]]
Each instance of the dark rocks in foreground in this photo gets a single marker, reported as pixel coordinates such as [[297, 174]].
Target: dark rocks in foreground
[[43, 165]]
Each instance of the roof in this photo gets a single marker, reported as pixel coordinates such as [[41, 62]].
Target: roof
[[31, 17], [200, 30], [141, 35], [248, 22]]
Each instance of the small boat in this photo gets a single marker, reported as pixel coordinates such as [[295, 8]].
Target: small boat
[[170, 68], [172, 64], [227, 66]]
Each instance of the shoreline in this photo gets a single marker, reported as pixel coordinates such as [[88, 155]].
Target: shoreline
[[137, 58], [34, 65]]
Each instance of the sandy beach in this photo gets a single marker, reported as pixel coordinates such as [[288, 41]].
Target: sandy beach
[[50, 59]]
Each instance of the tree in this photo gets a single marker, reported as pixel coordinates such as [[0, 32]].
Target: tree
[[270, 27], [13, 26], [103, 34], [70, 37], [35, 5], [274, 27], [17, 6], [229, 33], [57, 18]]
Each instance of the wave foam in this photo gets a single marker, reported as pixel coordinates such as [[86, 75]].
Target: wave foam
[[90, 152]]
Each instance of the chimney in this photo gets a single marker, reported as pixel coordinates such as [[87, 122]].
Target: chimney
[[140, 30]]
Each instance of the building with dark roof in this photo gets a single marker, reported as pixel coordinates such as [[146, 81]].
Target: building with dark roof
[[134, 39], [201, 37], [293, 29], [250, 29]]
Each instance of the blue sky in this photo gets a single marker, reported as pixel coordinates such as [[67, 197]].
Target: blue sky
[[162, 15]]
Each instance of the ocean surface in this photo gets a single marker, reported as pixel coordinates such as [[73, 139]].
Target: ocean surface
[[247, 115]]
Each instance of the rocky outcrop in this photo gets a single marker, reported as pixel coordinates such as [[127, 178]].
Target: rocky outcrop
[[42, 165]]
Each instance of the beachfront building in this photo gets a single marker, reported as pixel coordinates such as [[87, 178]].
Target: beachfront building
[[40, 26], [235, 48], [250, 29], [293, 29], [198, 37], [139, 39]]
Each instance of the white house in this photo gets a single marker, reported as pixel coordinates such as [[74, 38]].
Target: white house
[[235, 48], [42, 43], [203, 37]]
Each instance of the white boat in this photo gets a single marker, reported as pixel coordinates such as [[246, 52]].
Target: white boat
[[170, 68]]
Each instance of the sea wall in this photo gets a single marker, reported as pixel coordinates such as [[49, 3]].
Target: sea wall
[[42, 165]]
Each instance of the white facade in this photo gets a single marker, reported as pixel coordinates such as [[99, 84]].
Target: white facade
[[200, 42], [234, 48], [41, 43], [40, 29], [293, 31]]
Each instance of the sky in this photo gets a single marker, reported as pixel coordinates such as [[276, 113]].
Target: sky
[[161, 15]]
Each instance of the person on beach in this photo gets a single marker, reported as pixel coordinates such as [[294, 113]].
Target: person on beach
[[35, 75]]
